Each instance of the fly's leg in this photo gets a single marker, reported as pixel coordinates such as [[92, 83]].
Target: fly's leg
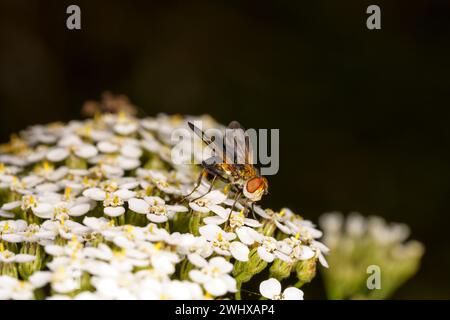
[[238, 195], [197, 185], [245, 206], [209, 190], [253, 211], [251, 208], [211, 169]]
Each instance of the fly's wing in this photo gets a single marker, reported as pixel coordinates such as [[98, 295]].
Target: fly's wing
[[238, 145], [220, 154]]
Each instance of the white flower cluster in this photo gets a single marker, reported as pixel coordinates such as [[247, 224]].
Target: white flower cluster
[[96, 209], [359, 244]]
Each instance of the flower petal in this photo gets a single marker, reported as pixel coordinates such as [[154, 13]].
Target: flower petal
[[107, 147], [198, 208], [270, 288], [79, 209], [214, 220], [131, 151], [252, 223], [220, 211], [96, 194], [24, 258], [239, 251], [43, 210], [303, 252], [197, 260], [265, 255], [125, 194], [247, 235], [57, 154], [11, 237], [139, 206], [86, 151], [114, 211], [210, 231], [11, 205], [156, 218], [221, 264], [216, 287], [292, 293], [323, 261]]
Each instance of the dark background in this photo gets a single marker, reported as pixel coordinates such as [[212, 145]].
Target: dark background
[[363, 115]]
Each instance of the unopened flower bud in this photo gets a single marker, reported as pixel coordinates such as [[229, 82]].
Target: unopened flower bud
[[280, 269], [306, 270]]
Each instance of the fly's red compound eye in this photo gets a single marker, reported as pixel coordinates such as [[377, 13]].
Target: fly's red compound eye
[[254, 184]]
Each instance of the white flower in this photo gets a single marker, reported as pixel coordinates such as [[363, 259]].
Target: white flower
[[118, 287], [131, 151], [73, 249], [332, 222], [155, 208], [63, 279], [270, 249], [240, 224], [271, 289], [80, 149], [12, 288], [107, 147], [214, 276], [126, 128], [160, 179], [7, 256], [98, 224], [65, 228], [32, 233], [10, 227], [209, 202], [152, 289], [191, 246], [278, 218], [49, 173], [50, 207], [113, 201], [123, 260], [383, 233], [294, 246], [356, 225], [298, 225], [222, 242]]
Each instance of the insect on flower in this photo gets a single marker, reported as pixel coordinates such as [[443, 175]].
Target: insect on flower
[[233, 163]]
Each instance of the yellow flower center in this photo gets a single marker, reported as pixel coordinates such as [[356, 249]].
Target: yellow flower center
[[67, 193], [47, 166]]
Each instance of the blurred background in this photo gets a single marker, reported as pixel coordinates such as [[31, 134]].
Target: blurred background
[[363, 115]]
